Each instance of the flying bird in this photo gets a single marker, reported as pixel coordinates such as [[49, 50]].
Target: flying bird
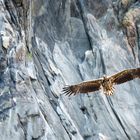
[[105, 83]]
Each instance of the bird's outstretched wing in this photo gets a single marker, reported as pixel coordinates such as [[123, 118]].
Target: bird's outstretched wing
[[125, 76], [83, 87]]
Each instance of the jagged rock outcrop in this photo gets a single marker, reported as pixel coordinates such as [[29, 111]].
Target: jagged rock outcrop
[[47, 44]]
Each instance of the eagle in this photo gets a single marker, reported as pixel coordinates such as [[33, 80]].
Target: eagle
[[106, 83]]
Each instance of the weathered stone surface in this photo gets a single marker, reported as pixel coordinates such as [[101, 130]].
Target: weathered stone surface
[[46, 44]]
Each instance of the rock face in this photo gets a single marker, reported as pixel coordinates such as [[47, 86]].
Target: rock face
[[46, 44]]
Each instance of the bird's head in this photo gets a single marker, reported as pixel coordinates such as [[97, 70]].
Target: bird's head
[[104, 77]]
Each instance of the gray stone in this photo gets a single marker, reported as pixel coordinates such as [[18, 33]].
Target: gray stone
[[45, 45]]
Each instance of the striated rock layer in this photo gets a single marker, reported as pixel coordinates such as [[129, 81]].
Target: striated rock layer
[[46, 44]]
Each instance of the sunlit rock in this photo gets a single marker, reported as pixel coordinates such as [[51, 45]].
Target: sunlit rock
[[45, 45]]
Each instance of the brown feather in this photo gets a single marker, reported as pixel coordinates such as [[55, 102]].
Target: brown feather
[[105, 82], [83, 87], [126, 75]]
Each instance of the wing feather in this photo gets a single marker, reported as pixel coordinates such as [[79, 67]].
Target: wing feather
[[126, 75], [83, 87]]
